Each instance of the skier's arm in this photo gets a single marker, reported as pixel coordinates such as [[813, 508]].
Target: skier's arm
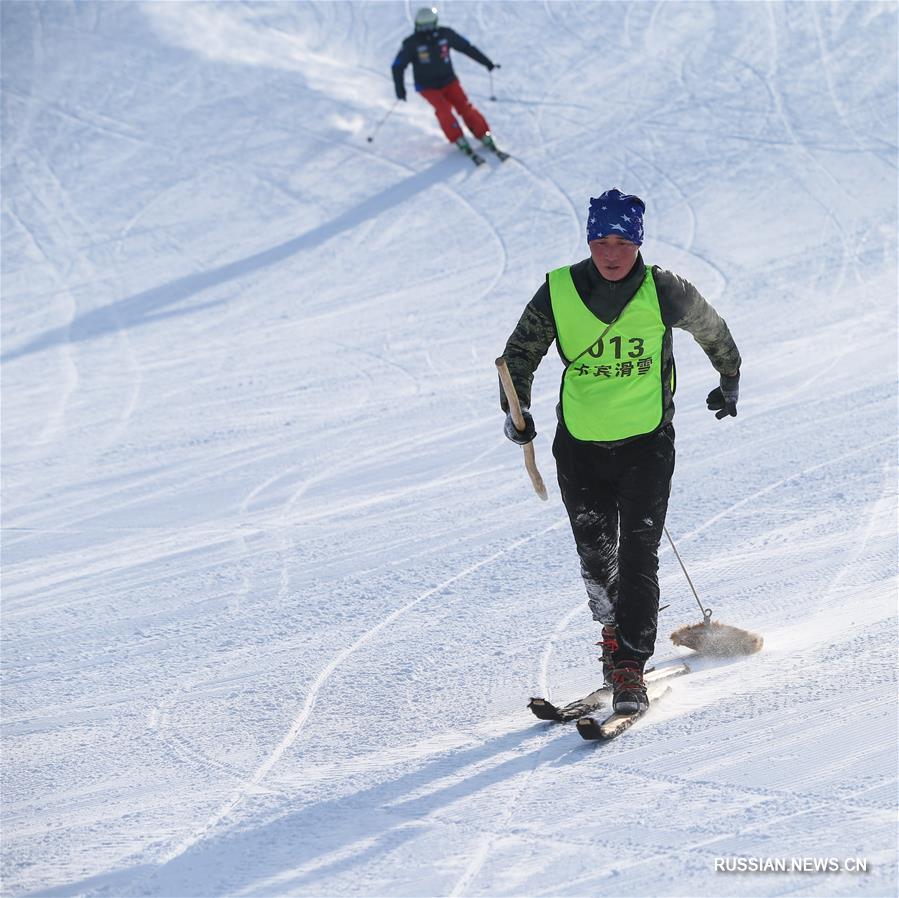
[[683, 306], [398, 70], [457, 42], [526, 347]]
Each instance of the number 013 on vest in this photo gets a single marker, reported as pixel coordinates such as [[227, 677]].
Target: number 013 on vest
[[612, 387]]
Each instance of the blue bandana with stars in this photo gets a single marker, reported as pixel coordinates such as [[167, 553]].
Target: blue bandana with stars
[[616, 213]]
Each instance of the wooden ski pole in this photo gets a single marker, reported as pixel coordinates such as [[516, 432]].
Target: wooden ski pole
[[530, 461]]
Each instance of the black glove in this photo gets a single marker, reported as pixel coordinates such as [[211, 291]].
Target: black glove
[[723, 399], [493, 65], [520, 436]]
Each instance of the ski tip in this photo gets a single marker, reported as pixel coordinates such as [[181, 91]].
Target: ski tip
[[589, 728], [542, 709]]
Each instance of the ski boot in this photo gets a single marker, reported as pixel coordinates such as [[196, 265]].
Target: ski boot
[[465, 147], [609, 645], [488, 141], [628, 689]]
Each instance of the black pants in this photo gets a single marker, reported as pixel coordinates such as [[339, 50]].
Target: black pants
[[617, 500]]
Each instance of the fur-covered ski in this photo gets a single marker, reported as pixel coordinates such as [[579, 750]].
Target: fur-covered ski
[[546, 710], [615, 724]]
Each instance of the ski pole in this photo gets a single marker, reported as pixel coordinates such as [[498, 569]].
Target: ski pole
[[708, 637], [706, 612], [371, 136], [530, 461], [490, 73]]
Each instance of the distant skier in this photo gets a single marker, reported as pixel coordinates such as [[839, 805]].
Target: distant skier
[[428, 49], [611, 318]]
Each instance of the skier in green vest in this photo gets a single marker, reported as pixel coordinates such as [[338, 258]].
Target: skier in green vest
[[611, 318]]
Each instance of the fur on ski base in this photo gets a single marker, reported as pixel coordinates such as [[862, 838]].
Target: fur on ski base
[[720, 640]]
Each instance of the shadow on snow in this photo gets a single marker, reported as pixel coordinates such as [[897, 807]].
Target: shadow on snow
[[331, 837], [155, 304]]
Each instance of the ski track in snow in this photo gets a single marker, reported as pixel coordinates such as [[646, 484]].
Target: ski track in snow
[[323, 677], [276, 589]]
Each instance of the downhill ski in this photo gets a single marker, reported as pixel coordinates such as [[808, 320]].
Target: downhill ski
[[465, 147], [488, 141]]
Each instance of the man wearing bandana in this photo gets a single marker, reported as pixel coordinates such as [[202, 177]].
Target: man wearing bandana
[[611, 317]]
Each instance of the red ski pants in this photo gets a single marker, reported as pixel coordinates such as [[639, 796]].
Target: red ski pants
[[444, 100]]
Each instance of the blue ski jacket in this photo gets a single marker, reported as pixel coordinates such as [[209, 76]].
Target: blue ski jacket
[[429, 53]]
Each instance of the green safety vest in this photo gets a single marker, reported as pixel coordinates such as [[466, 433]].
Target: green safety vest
[[612, 385]]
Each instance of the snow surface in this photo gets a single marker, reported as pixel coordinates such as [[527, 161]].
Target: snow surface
[[276, 589]]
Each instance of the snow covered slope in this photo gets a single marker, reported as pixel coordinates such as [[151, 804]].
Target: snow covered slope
[[275, 587]]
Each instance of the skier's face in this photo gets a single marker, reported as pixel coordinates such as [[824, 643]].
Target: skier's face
[[613, 256]]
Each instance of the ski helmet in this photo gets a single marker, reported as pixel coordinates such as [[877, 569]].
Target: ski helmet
[[426, 18]]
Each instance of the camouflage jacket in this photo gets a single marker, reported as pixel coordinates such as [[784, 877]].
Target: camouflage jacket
[[680, 303]]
